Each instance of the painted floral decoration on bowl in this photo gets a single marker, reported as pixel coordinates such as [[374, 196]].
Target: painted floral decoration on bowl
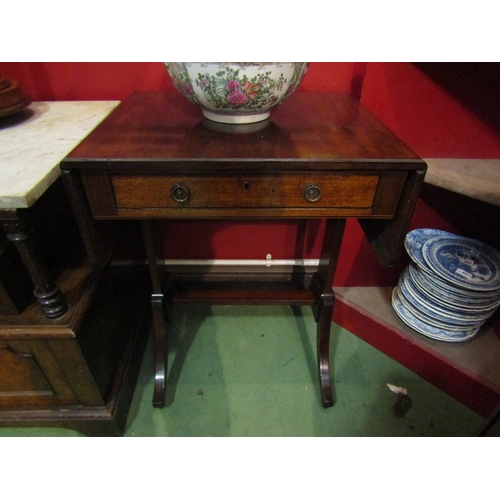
[[236, 92]]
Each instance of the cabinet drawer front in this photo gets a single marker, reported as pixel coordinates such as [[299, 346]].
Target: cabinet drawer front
[[290, 191], [20, 374]]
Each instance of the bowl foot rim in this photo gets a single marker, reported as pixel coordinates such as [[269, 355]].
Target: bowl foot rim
[[235, 119]]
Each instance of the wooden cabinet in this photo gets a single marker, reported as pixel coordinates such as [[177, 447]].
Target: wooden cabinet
[[22, 377], [71, 356], [38, 373], [76, 370], [79, 371]]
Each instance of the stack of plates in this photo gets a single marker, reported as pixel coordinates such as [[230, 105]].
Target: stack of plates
[[451, 287]]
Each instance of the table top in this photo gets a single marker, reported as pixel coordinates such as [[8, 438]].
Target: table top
[[163, 127], [34, 141]]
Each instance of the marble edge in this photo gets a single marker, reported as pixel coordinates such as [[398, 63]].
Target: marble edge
[[475, 178], [27, 199], [15, 201]]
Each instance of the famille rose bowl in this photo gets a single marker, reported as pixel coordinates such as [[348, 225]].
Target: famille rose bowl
[[236, 92]]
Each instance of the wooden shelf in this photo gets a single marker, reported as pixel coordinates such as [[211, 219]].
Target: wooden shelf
[[468, 371], [476, 178], [231, 293]]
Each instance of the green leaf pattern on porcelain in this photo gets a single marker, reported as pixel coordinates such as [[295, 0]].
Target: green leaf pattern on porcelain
[[231, 88], [180, 78]]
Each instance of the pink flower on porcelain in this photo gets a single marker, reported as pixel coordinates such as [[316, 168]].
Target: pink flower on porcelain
[[272, 100], [232, 85], [237, 98], [203, 83]]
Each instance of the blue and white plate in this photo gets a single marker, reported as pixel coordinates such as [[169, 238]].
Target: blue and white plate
[[463, 262], [448, 300], [432, 320], [436, 309], [426, 329], [451, 287], [454, 291], [414, 241]]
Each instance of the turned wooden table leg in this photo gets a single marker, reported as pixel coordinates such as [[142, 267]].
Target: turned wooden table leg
[[322, 284], [159, 320], [46, 291]]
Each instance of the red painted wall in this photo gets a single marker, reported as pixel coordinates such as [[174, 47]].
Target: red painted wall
[[437, 118], [94, 81]]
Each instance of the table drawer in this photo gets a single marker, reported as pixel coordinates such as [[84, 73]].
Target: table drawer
[[290, 191]]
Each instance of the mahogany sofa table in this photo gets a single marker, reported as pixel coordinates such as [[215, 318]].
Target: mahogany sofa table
[[321, 156]]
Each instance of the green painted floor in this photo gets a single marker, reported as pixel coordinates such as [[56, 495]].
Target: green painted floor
[[251, 371]]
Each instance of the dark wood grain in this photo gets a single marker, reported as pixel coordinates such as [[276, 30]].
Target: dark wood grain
[[232, 191], [79, 373], [164, 126]]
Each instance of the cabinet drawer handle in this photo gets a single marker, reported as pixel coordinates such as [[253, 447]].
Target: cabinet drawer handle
[[180, 193], [312, 193]]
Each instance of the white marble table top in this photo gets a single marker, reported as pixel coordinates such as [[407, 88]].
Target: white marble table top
[[34, 142]]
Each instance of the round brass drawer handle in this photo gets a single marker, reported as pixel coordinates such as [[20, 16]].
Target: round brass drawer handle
[[312, 193], [180, 193]]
